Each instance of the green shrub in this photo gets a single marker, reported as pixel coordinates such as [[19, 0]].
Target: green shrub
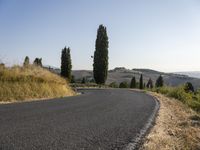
[[180, 94], [123, 85], [188, 87], [113, 85], [189, 98], [163, 90], [194, 105]]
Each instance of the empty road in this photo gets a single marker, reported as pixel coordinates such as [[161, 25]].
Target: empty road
[[96, 120]]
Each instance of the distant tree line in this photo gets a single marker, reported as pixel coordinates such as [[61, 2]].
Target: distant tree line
[[36, 62], [140, 85]]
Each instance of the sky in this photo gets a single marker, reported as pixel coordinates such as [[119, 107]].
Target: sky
[[162, 35]]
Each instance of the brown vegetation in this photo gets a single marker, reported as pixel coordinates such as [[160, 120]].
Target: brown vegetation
[[25, 83], [176, 127]]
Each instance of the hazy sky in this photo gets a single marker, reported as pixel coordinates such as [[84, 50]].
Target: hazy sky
[[158, 34]]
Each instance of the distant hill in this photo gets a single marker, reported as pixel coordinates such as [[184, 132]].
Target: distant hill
[[194, 74], [120, 74]]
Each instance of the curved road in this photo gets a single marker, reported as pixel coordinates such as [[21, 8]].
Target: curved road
[[96, 120]]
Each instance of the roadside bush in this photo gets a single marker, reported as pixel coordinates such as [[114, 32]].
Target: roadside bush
[[188, 87], [189, 98], [123, 85], [162, 90], [113, 85], [194, 105], [180, 94]]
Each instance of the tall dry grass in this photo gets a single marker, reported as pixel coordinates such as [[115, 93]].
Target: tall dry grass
[[24, 83], [177, 127]]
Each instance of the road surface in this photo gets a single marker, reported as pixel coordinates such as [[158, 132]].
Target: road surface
[[96, 120]]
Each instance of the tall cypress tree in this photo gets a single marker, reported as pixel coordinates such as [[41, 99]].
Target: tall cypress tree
[[100, 66], [150, 84], [63, 62], [26, 61], [133, 83], [141, 82], [159, 81], [66, 65]]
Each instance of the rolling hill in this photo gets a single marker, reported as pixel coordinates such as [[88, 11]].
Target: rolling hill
[[120, 74], [194, 74]]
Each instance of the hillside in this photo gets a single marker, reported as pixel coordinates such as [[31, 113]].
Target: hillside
[[25, 83], [122, 74], [194, 74]]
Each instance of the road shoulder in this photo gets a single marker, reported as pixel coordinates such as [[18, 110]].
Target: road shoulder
[[176, 126]]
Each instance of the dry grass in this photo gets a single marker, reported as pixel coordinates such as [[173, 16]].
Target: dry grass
[[177, 127], [19, 83]]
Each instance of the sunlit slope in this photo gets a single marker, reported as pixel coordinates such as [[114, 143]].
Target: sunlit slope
[[25, 83]]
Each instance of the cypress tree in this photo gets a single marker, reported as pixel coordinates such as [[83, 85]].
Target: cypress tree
[[159, 82], [83, 81], [63, 62], [100, 65], [150, 84], [35, 62], [73, 79], [141, 82], [26, 61], [133, 83], [38, 62], [66, 65]]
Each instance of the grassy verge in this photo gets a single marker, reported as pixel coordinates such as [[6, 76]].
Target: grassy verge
[[176, 127], [25, 83], [191, 99]]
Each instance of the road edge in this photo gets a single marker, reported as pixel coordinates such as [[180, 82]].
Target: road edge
[[138, 141]]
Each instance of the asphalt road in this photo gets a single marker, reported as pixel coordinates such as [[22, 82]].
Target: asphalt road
[[95, 120]]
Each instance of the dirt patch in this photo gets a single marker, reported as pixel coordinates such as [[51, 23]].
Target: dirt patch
[[176, 127]]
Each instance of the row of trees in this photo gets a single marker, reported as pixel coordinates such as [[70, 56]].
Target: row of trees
[[36, 62], [140, 84], [100, 64]]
